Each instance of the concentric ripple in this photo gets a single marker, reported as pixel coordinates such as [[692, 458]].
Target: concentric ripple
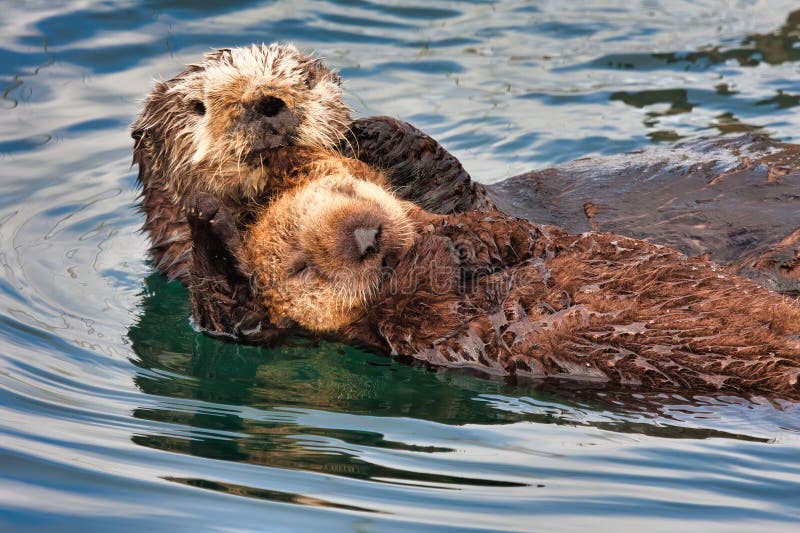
[[116, 415]]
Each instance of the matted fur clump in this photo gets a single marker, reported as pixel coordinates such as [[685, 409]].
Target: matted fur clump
[[509, 298]]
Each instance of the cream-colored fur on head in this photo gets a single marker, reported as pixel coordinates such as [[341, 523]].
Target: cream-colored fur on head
[[190, 125], [296, 248]]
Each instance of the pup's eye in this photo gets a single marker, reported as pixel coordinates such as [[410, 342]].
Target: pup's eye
[[198, 107], [298, 268]]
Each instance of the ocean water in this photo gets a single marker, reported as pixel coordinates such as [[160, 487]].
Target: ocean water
[[116, 415]]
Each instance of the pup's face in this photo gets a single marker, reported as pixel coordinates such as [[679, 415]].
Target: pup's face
[[321, 251], [210, 127]]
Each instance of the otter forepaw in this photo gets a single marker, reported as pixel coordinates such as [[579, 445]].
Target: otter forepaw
[[201, 207], [214, 235]]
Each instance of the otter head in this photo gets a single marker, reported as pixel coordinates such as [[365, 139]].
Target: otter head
[[320, 252], [211, 127]]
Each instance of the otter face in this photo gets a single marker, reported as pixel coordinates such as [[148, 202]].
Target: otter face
[[211, 126], [320, 252]]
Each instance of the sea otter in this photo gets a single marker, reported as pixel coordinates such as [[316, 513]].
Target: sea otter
[[481, 290], [243, 122], [247, 123]]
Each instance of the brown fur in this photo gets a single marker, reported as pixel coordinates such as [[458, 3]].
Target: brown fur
[[220, 285], [303, 253], [181, 154], [198, 132], [731, 199], [244, 125], [201, 131], [510, 298]]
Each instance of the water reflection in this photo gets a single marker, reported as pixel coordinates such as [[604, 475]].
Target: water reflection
[[303, 373], [323, 376], [773, 48]]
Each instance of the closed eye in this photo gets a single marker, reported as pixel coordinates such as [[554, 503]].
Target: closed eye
[[298, 268]]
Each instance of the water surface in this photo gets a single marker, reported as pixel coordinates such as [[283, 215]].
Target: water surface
[[116, 415]]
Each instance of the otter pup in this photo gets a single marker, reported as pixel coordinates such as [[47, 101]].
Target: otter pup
[[509, 298], [324, 257]]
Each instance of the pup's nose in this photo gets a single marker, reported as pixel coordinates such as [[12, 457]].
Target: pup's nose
[[269, 106], [366, 240]]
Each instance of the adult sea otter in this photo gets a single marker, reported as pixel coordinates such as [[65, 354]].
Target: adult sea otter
[[225, 124]]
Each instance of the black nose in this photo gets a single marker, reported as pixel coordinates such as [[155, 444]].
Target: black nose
[[366, 240], [269, 106]]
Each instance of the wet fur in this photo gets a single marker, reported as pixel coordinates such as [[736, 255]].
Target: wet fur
[[221, 282], [176, 169], [595, 306], [213, 151], [180, 153], [312, 226], [197, 162], [509, 298]]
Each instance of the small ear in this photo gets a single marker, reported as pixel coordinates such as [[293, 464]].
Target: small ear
[[318, 71], [141, 151], [141, 140], [218, 54]]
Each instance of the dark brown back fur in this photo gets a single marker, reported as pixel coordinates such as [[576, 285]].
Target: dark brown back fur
[[589, 307]]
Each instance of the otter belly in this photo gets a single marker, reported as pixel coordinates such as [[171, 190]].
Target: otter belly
[[733, 200], [591, 307]]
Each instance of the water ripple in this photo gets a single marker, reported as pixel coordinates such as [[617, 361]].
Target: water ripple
[[117, 415]]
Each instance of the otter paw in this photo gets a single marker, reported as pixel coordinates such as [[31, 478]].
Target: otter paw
[[201, 207]]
